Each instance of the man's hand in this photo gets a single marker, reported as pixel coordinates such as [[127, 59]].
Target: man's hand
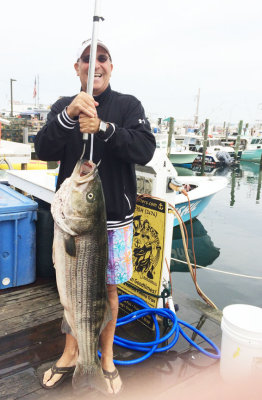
[[83, 103], [88, 125]]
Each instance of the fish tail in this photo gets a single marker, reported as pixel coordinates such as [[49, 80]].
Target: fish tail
[[107, 315], [89, 378]]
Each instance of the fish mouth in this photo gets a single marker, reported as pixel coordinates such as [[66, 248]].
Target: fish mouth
[[87, 168]]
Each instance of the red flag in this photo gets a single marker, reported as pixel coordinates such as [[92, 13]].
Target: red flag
[[34, 92]]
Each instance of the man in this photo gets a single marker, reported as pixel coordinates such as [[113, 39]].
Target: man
[[122, 138]]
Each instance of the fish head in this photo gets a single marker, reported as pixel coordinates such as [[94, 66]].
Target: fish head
[[86, 198]]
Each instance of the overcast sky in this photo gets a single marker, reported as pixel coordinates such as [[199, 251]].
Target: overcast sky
[[163, 51]]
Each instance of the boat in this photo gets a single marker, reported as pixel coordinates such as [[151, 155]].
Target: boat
[[33, 164], [253, 150], [14, 153], [179, 154], [216, 153], [200, 190], [181, 157], [154, 179]]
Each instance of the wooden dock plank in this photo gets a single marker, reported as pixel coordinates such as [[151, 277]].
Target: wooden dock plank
[[31, 319], [11, 310], [31, 340], [19, 385], [32, 356]]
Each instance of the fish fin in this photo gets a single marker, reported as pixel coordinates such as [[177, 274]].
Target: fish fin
[[107, 316], [65, 327], [89, 379], [70, 245]]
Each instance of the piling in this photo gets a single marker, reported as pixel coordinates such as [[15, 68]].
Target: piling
[[233, 186], [170, 134], [245, 129], [259, 181], [204, 147], [238, 138], [25, 134]]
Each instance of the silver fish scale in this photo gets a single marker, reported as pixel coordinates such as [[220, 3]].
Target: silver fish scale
[[81, 281], [89, 298]]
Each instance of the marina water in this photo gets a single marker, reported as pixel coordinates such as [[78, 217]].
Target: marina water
[[227, 237]]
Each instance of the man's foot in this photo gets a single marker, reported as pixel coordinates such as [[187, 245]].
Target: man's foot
[[55, 374], [61, 372], [113, 380]]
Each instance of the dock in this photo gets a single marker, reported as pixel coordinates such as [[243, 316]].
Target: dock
[[30, 341]]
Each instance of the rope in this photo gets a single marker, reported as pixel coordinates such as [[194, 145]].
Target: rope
[[185, 244], [219, 270], [5, 161], [191, 270]]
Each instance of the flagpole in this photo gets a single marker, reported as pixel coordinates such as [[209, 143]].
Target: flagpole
[[35, 91], [38, 91]]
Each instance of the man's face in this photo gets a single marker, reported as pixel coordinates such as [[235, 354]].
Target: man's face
[[102, 71]]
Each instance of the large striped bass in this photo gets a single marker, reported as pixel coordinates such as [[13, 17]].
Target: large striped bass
[[80, 253]]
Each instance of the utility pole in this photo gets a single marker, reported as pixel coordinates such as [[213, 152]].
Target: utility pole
[[197, 108], [11, 88]]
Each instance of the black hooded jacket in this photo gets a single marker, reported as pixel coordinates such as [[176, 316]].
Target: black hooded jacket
[[119, 149]]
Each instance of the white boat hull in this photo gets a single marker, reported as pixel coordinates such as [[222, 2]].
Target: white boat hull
[[199, 197]]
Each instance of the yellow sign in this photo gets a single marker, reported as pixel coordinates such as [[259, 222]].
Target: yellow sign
[[148, 250]]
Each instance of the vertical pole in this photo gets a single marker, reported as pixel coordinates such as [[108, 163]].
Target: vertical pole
[[227, 132], [204, 147], [238, 138], [25, 134], [197, 108], [245, 129], [259, 181], [233, 185], [11, 97], [37, 91], [92, 64], [11, 88], [170, 134], [224, 128]]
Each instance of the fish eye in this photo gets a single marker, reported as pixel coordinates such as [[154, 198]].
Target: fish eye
[[90, 196]]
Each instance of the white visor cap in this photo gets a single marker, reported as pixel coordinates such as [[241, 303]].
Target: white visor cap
[[86, 44]]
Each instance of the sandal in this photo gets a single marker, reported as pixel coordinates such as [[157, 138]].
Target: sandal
[[64, 371], [112, 376]]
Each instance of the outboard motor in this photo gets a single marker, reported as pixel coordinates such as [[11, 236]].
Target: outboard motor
[[224, 158]]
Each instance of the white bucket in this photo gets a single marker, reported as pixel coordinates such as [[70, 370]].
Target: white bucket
[[241, 347]]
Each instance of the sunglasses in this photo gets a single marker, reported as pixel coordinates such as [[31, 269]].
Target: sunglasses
[[102, 58]]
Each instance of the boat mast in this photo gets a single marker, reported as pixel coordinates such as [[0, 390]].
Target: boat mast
[[197, 108]]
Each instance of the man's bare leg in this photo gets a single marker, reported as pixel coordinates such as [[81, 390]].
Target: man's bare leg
[[68, 359], [107, 338]]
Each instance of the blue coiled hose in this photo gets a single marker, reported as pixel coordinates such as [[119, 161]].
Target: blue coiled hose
[[152, 347]]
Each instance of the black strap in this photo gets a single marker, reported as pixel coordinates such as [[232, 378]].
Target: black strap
[[110, 375], [60, 370], [96, 18]]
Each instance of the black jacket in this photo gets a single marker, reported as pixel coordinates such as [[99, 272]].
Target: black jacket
[[132, 143]]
